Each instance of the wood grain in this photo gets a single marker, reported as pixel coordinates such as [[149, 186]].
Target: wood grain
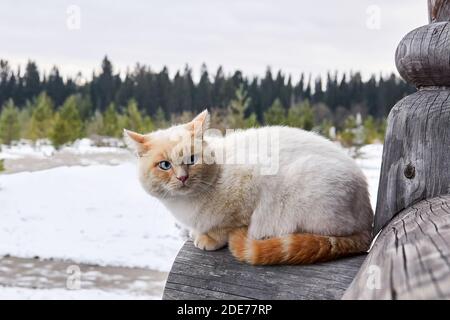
[[422, 57], [412, 254], [438, 10], [198, 274], [418, 138]]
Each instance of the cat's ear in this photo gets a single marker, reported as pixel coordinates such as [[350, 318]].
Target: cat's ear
[[136, 141], [200, 123]]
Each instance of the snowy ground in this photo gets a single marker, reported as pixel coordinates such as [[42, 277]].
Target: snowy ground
[[370, 163], [64, 294], [96, 214], [93, 213]]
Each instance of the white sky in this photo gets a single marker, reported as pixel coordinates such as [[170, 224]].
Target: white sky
[[292, 35]]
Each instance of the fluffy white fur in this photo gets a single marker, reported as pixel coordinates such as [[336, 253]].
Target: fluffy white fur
[[317, 189]]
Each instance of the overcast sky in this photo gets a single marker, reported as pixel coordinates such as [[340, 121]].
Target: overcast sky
[[292, 35]]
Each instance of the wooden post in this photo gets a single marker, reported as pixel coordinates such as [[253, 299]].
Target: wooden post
[[416, 155], [438, 10], [411, 257]]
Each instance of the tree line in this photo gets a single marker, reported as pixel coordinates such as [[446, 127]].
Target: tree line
[[35, 105]]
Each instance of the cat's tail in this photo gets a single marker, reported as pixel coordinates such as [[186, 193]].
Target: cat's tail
[[298, 248]]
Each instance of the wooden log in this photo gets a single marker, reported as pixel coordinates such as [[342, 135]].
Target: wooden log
[[198, 274], [411, 257], [438, 10], [416, 153], [422, 55]]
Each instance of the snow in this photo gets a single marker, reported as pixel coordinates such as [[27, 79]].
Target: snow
[[86, 146], [25, 148], [17, 293], [43, 148], [370, 163], [97, 214]]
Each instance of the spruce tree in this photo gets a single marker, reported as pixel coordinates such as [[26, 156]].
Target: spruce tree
[[94, 125], [134, 117], [294, 117], [67, 126], [9, 123], [237, 108], [301, 116], [149, 126], [251, 121], [202, 97], [276, 114], [160, 119], [111, 122], [349, 135], [370, 130], [31, 81], [41, 118]]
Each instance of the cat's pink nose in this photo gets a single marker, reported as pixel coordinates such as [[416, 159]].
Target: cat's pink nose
[[183, 178]]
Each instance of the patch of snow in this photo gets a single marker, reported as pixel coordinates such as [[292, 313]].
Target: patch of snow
[[97, 214], [87, 146], [370, 163], [24, 148], [16, 293], [43, 148]]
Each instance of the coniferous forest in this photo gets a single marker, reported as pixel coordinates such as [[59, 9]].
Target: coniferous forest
[[34, 105]]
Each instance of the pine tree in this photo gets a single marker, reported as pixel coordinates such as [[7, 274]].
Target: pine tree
[[149, 126], [307, 116], [160, 119], [218, 90], [9, 123], [25, 119], [55, 87], [95, 125], [251, 121], [111, 122], [267, 90], [370, 130], [104, 86], [85, 107], [31, 81], [6, 91], [134, 117], [352, 134], [203, 91], [41, 118], [301, 116], [67, 126], [276, 114], [237, 108]]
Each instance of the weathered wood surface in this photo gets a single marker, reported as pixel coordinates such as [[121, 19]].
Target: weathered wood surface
[[438, 10], [200, 274], [416, 155], [422, 56], [411, 257]]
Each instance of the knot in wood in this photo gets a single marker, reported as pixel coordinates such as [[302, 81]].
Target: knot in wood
[[410, 171]]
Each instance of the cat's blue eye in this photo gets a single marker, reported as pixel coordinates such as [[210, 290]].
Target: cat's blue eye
[[165, 165], [191, 160]]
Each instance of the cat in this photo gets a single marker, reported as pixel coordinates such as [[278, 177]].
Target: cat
[[314, 207]]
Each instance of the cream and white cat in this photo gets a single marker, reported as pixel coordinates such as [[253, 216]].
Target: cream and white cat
[[314, 207]]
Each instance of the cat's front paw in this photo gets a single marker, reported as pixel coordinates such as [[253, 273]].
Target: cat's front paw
[[205, 242]]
